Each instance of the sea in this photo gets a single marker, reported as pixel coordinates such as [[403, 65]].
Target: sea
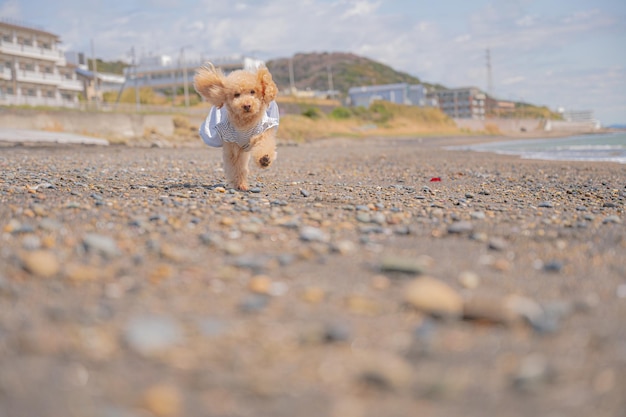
[[610, 147]]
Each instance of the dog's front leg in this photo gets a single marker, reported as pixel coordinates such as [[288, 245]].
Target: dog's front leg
[[236, 166], [264, 148]]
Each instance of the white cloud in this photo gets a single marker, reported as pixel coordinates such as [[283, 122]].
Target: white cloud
[[525, 21], [360, 8], [513, 80]]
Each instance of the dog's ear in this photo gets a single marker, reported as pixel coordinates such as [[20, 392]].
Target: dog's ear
[[209, 83], [269, 87]]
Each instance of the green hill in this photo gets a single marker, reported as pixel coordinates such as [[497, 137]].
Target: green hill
[[348, 70]]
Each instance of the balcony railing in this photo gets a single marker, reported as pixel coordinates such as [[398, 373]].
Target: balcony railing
[[5, 73], [13, 100], [36, 77], [12, 48], [72, 85]]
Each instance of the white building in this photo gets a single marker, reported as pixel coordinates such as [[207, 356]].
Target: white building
[[400, 93], [33, 71], [463, 103], [161, 72]]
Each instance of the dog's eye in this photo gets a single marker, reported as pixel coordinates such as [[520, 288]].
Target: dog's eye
[[237, 95], [252, 92]]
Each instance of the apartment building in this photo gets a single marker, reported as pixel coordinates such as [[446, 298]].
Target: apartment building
[[463, 103], [400, 93], [33, 70], [161, 72]]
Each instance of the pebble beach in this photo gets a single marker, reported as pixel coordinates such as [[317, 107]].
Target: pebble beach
[[357, 278]]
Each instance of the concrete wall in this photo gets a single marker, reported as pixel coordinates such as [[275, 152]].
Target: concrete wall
[[104, 125], [504, 125]]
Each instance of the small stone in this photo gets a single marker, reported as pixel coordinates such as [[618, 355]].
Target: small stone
[[336, 332], [380, 282], [434, 297], [254, 303], [322, 333], [621, 291], [363, 217], [344, 247], [304, 192], [490, 309], [260, 284], [211, 239], [359, 304], [255, 190], [532, 373], [392, 263], [102, 245], [384, 371], [82, 273], [612, 219], [525, 308], [152, 334], [497, 244], [545, 204], [313, 234], [460, 227], [313, 295], [31, 242], [163, 400], [553, 266], [173, 253], [469, 280], [234, 248], [501, 264], [41, 263], [477, 215], [211, 327], [379, 218]]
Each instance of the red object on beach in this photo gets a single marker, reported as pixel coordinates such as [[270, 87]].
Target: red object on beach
[[435, 179]]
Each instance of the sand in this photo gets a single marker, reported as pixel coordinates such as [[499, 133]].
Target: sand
[[369, 277]]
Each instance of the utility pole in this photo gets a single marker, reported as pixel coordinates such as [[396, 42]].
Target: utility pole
[[185, 83], [489, 76], [94, 63], [132, 52], [330, 80], [489, 98], [292, 83]]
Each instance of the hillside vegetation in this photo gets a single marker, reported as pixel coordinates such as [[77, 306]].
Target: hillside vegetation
[[311, 71], [380, 119]]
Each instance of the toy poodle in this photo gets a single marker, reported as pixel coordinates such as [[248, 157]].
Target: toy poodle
[[243, 120]]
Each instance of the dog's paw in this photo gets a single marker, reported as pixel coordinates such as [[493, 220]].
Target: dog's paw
[[265, 161]]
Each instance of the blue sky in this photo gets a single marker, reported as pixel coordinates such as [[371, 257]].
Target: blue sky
[[559, 53]]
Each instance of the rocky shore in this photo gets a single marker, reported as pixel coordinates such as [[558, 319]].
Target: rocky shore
[[357, 278]]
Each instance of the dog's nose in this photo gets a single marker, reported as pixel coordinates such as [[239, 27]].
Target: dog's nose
[[246, 107]]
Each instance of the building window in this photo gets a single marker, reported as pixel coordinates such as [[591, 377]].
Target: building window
[[7, 38]]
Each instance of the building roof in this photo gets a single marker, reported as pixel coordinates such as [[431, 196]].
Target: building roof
[[31, 28], [102, 76], [375, 88]]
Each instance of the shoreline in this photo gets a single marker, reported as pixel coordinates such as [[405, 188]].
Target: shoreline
[[136, 280]]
